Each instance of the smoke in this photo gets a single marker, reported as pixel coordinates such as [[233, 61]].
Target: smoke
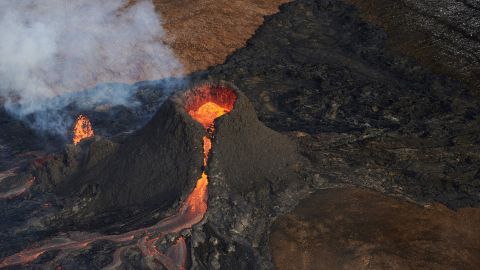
[[52, 48]]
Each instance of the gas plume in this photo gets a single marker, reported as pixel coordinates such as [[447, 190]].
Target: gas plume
[[51, 49]]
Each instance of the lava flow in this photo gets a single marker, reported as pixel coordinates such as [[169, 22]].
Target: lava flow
[[18, 190], [203, 106], [82, 129]]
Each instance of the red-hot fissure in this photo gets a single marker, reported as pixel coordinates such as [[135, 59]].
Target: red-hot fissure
[[205, 115], [204, 108]]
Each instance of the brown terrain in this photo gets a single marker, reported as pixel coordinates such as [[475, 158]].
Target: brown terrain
[[203, 33], [352, 228]]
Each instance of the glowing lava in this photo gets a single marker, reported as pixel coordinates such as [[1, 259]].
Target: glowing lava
[[82, 129], [203, 105], [206, 113]]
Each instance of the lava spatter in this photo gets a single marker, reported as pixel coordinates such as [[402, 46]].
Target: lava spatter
[[82, 129]]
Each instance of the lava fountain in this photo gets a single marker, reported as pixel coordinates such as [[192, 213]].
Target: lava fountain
[[82, 129], [204, 104]]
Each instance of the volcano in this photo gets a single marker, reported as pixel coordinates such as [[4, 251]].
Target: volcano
[[204, 142], [155, 166]]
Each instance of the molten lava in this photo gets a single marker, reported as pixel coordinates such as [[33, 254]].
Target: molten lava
[[82, 129], [206, 113], [204, 104]]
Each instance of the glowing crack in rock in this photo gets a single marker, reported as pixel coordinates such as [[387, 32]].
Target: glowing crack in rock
[[204, 110]]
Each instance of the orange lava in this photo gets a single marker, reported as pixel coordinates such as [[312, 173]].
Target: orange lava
[[207, 113], [82, 129], [204, 105]]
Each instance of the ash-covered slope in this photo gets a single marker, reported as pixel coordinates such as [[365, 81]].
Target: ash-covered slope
[[153, 168], [247, 155]]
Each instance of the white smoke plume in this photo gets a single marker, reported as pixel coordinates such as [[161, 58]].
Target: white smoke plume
[[52, 47]]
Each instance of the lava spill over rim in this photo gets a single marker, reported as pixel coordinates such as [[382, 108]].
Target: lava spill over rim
[[204, 104]]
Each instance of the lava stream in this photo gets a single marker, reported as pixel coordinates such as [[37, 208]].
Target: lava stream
[[191, 212], [18, 190]]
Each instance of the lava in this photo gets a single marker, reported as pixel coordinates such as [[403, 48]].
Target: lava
[[82, 129], [205, 103], [204, 106], [18, 190], [206, 113], [12, 190]]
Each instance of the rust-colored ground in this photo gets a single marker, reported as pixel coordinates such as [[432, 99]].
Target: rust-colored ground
[[361, 229], [203, 33]]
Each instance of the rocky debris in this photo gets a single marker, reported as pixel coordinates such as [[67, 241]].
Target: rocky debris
[[365, 115], [444, 35], [352, 228], [60, 171]]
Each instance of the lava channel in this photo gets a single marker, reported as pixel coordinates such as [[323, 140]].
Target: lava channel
[[191, 212]]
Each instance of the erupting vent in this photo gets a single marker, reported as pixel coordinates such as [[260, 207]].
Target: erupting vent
[[82, 129], [205, 104]]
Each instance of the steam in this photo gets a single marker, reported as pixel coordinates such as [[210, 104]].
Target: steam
[[50, 49]]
